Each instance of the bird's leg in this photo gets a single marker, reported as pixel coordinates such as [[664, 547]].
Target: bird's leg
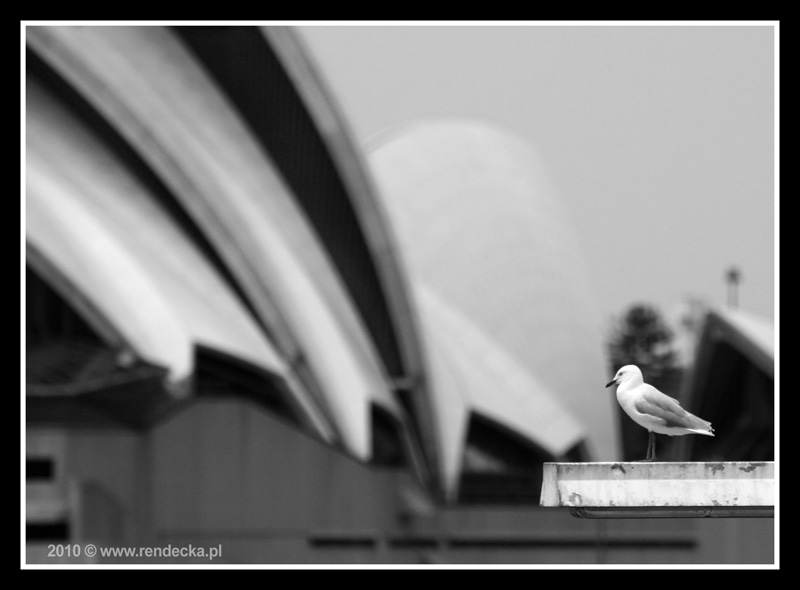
[[651, 447]]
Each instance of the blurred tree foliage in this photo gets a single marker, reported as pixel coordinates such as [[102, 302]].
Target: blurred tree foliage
[[641, 337]]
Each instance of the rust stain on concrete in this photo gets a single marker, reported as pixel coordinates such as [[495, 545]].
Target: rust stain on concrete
[[575, 499]]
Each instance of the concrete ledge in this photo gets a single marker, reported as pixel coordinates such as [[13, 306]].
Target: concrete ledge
[[658, 489]]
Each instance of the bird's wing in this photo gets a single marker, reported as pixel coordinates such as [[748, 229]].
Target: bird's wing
[[659, 406]]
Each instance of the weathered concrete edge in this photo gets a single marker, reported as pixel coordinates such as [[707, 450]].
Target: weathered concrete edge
[[716, 476]]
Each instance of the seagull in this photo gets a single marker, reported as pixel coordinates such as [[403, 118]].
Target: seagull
[[653, 410]]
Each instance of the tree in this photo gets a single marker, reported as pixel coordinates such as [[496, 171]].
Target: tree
[[642, 337]]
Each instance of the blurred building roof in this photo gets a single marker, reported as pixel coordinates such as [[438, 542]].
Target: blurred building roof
[[731, 383], [209, 225], [480, 226]]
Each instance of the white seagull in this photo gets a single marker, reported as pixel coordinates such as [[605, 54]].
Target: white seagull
[[653, 410]]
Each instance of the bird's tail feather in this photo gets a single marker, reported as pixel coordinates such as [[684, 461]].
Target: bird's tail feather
[[709, 432]]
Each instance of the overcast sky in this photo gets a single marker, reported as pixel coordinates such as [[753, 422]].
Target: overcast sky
[[659, 139]]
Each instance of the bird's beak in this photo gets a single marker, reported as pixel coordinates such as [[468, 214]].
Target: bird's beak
[[612, 382]]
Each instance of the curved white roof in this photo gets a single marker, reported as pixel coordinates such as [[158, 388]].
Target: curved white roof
[[102, 230], [471, 372], [74, 240], [149, 87], [480, 225], [755, 336]]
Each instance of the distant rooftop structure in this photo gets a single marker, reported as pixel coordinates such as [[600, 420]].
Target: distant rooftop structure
[[480, 226], [731, 383]]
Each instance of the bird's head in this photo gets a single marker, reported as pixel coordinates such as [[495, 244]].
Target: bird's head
[[626, 373]]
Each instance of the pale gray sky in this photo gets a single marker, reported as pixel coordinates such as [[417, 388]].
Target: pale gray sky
[[659, 139]]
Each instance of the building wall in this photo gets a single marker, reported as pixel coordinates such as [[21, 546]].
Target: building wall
[[223, 473]]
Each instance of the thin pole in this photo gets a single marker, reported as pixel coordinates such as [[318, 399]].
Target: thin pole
[[733, 277]]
